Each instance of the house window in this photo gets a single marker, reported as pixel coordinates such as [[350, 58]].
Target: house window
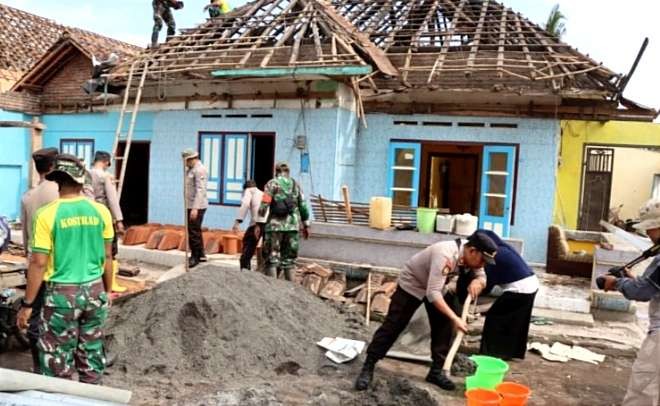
[[233, 158], [403, 179], [83, 149]]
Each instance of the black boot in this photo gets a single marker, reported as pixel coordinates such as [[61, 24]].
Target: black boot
[[439, 377], [36, 365], [367, 374], [193, 262]]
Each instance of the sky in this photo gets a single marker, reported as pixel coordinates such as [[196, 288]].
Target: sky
[[609, 31]]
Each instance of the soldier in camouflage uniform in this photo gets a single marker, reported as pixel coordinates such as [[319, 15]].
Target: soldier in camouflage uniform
[[72, 255], [162, 12], [284, 207]]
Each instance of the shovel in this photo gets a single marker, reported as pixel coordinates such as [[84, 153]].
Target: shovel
[[180, 269], [457, 341]]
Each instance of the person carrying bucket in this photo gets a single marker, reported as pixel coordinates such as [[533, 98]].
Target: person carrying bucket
[[423, 280]]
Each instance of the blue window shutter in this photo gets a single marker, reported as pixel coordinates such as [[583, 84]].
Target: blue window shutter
[[403, 173], [497, 189], [235, 167], [211, 157], [82, 149]]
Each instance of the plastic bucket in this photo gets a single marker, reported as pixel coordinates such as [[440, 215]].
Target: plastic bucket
[[490, 370], [482, 397], [426, 220], [479, 382], [513, 394]]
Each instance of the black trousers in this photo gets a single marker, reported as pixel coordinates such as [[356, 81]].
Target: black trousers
[[115, 247], [250, 242], [402, 308], [506, 328], [195, 239]]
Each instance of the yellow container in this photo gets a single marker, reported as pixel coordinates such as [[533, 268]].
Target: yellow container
[[380, 213]]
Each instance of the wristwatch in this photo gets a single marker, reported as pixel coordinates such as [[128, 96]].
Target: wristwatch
[[25, 304]]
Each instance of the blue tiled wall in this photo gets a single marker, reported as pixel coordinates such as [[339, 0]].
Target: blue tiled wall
[[177, 130], [538, 140], [14, 164]]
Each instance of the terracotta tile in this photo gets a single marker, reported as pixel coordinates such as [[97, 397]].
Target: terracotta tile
[[170, 240], [154, 239]]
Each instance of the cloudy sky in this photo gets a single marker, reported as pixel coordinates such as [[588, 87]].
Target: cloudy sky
[[609, 31]]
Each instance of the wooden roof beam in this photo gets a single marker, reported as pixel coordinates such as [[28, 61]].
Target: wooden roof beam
[[477, 36]]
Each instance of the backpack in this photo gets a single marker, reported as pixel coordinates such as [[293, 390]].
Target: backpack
[[285, 207]]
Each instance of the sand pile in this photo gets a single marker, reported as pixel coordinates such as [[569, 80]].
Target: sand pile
[[224, 325]]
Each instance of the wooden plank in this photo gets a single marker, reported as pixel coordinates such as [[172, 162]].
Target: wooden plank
[[347, 203], [477, 36], [361, 40], [273, 72]]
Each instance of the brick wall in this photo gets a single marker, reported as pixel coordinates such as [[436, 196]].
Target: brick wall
[[66, 85], [23, 102]]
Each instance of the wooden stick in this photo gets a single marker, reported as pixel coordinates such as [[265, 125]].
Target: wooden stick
[[325, 216], [347, 204], [459, 337], [368, 315], [185, 215]]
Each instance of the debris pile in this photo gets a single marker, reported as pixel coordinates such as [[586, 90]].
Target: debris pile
[[226, 324], [332, 285]]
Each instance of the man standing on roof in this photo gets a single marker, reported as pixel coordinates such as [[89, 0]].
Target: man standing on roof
[[196, 204], [45, 192], [284, 207], [423, 280], [71, 252], [163, 12], [251, 202], [644, 384], [217, 8], [105, 192]]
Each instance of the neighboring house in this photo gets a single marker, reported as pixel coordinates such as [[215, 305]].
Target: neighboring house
[[604, 165], [453, 104], [42, 68]]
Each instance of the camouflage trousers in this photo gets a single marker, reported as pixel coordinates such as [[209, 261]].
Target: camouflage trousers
[[162, 13], [281, 250], [71, 331]]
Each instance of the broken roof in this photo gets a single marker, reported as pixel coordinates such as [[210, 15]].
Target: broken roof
[[449, 52], [267, 34], [472, 44], [25, 38]]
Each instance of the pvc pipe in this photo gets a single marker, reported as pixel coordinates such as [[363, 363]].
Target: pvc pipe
[[16, 381]]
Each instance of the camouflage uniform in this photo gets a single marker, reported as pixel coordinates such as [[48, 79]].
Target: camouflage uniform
[[282, 238], [162, 12], [71, 331]]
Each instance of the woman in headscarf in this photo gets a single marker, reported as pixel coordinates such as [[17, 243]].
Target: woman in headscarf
[[507, 322]]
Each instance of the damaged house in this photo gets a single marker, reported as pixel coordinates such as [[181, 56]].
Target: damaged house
[[452, 104]]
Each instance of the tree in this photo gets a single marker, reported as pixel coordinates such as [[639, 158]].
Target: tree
[[555, 24]]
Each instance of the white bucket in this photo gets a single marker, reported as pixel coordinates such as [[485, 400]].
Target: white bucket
[[466, 224], [444, 223]]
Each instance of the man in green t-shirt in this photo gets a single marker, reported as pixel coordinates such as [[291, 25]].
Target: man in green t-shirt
[[71, 254]]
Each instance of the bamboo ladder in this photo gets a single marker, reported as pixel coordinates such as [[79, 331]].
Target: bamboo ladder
[[128, 137]]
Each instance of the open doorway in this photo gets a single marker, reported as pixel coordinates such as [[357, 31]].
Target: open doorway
[[263, 158], [135, 196], [450, 177]]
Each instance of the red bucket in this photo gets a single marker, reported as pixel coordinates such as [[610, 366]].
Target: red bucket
[[513, 394], [482, 397]]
